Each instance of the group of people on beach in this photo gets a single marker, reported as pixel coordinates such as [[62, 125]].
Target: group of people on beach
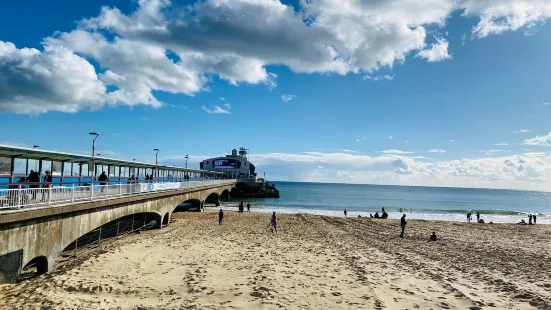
[[478, 219], [531, 220], [273, 219]]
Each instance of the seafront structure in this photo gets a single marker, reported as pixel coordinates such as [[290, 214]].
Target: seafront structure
[[40, 220]]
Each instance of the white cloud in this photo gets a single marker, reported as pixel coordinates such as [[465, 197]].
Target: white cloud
[[539, 140], [522, 131], [545, 103], [396, 152], [379, 77], [287, 97], [227, 105], [349, 151], [437, 52], [361, 139], [406, 141], [216, 110], [222, 98], [320, 167], [436, 151], [501, 144], [451, 141], [491, 152], [389, 137], [177, 48]]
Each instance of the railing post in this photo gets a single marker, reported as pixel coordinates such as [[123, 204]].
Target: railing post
[[50, 194], [73, 193], [18, 196], [92, 191]]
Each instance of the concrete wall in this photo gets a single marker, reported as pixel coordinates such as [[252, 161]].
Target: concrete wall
[[46, 232]]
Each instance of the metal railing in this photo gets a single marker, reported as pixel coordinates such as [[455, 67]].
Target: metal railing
[[49, 195]]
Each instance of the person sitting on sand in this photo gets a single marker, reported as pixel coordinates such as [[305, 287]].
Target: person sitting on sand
[[522, 222], [376, 215], [481, 221], [384, 216], [433, 237], [220, 217], [359, 215], [273, 222]]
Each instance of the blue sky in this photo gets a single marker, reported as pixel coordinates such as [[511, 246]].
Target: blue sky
[[325, 100]]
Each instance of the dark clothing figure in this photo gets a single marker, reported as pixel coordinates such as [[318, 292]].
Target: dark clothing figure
[[384, 216], [530, 219], [403, 224], [522, 222], [345, 212], [433, 237], [469, 217], [46, 184], [370, 215], [248, 207], [220, 217], [481, 221], [534, 218], [477, 216], [383, 209], [102, 178], [273, 222], [241, 208], [401, 210], [376, 215]]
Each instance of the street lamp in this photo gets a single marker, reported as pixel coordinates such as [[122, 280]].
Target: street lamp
[[187, 157], [93, 151], [156, 164]]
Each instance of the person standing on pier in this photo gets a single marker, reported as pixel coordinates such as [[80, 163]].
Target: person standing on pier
[[220, 217], [47, 184]]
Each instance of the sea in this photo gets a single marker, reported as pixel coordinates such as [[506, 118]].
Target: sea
[[427, 203]]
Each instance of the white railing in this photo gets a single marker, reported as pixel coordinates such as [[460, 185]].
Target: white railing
[[54, 195]]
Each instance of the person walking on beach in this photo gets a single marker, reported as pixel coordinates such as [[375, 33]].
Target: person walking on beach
[[345, 212], [403, 223], [220, 217], [273, 222], [534, 218], [248, 207], [469, 217], [530, 219], [477, 216]]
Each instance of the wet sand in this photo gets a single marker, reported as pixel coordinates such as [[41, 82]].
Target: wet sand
[[313, 262]]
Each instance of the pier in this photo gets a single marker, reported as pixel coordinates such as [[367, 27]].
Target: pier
[[40, 220]]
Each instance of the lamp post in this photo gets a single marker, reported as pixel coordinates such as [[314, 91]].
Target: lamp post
[[93, 152], [187, 157], [156, 164]]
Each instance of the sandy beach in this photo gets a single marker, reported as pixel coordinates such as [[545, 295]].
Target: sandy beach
[[313, 262]]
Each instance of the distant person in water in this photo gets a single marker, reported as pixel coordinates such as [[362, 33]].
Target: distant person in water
[[220, 217], [376, 215], [403, 224], [433, 237], [469, 217], [478, 216], [345, 212], [401, 210], [248, 207], [273, 222]]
